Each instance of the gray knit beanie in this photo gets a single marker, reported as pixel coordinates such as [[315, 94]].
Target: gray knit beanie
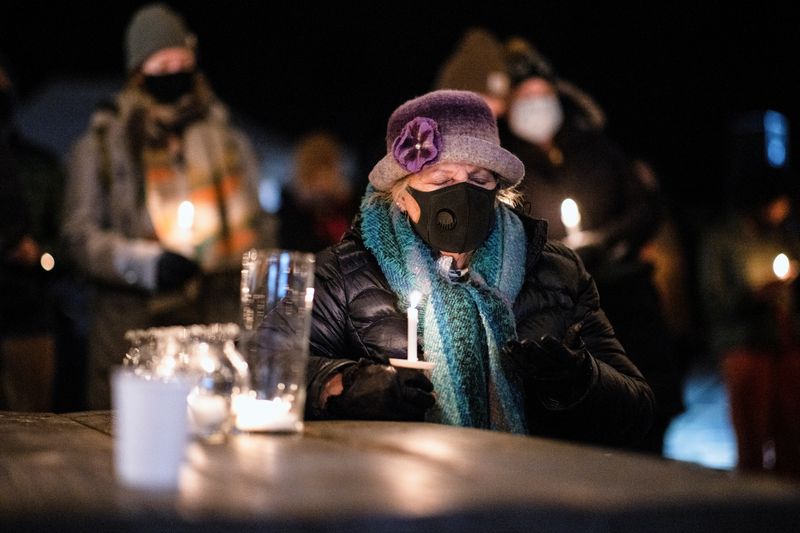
[[477, 64], [153, 28], [444, 126]]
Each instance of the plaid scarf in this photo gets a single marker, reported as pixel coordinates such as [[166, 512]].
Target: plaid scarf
[[186, 154]]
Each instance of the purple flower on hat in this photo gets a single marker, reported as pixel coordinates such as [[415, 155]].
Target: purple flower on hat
[[420, 142]]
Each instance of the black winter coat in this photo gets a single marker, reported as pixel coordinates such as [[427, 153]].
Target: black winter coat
[[356, 315]]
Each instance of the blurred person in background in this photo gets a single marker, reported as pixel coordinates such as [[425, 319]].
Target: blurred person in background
[[31, 181], [316, 204], [161, 199], [748, 265], [583, 184], [477, 64]]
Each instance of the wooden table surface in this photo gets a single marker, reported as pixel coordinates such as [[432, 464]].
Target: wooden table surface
[[56, 474]]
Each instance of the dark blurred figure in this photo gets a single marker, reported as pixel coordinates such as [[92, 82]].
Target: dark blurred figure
[[161, 199], [673, 275], [316, 204], [30, 192], [477, 64], [583, 184], [748, 266]]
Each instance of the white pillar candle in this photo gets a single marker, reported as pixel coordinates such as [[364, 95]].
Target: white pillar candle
[[413, 319]]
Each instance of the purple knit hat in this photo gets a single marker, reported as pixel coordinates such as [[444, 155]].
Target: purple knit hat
[[444, 126]]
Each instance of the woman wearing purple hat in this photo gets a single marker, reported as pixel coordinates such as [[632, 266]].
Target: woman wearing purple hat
[[510, 321]]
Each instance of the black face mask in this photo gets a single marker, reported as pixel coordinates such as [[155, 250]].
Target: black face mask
[[455, 219], [168, 88]]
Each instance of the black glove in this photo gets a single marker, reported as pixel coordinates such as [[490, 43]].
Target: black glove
[[381, 392], [173, 270], [553, 361], [554, 369]]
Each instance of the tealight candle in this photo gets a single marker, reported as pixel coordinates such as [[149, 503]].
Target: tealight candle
[[253, 414], [207, 413]]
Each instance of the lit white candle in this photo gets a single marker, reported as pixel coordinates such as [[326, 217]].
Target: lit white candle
[[570, 216], [253, 414], [413, 319], [186, 215], [186, 225], [47, 262], [781, 266]]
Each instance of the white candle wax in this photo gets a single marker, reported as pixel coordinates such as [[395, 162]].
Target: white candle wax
[[571, 216], [186, 226], [264, 415], [781, 266], [206, 411], [413, 319]]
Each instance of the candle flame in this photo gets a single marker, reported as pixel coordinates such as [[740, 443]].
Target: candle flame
[[570, 214], [414, 298], [186, 215], [47, 262], [781, 266]]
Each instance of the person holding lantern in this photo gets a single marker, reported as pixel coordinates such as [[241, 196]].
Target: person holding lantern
[[161, 199], [509, 321]]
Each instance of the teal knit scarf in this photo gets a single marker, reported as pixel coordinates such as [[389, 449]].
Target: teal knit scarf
[[464, 325]]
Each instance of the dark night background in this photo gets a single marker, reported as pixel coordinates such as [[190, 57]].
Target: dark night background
[[668, 75]]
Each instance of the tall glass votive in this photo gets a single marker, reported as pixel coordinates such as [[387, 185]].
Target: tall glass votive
[[277, 294]]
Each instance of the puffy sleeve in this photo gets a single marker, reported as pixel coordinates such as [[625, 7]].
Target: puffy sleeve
[[617, 405]]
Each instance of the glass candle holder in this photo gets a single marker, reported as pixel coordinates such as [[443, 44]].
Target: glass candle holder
[[221, 374], [205, 354], [277, 296]]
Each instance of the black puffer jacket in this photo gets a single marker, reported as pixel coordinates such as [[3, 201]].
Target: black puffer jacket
[[356, 316]]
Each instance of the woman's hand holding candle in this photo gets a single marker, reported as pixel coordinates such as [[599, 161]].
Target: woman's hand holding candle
[[379, 392]]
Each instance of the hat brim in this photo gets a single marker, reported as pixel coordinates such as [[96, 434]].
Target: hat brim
[[467, 150]]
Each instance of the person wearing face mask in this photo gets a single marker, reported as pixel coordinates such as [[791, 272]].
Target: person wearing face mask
[[557, 130], [161, 199], [510, 320]]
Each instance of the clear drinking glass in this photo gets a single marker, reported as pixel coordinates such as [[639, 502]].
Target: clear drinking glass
[[277, 293]]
